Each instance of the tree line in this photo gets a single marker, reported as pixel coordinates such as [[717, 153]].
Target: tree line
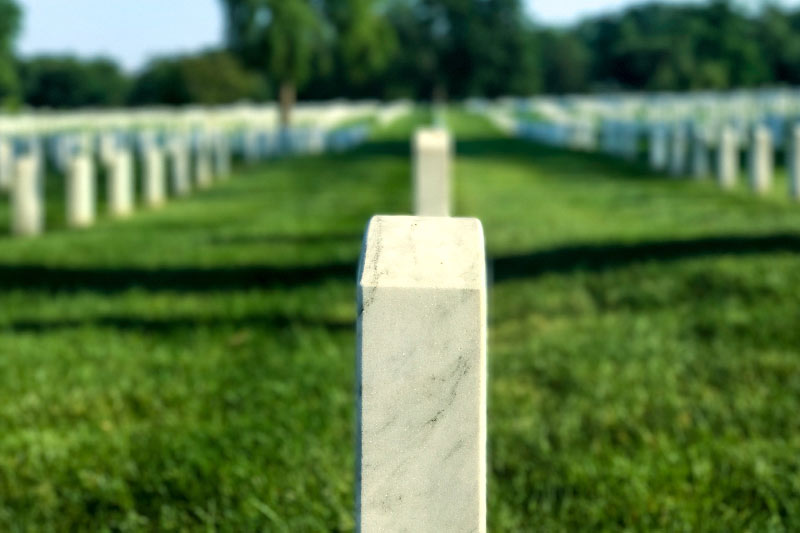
[[424, 49]]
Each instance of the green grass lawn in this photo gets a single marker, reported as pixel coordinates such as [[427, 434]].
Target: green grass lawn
[[192, 368]]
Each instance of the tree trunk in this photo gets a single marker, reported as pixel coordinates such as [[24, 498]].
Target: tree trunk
[[287, 97]]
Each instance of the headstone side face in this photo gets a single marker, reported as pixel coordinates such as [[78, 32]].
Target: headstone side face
[[80, 191], [432, 149], [27, 213], [421, 365]]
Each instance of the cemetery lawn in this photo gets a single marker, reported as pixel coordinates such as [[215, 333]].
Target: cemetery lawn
[[192, 368]]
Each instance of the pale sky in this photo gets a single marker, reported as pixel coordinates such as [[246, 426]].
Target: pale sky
[[132, 31]]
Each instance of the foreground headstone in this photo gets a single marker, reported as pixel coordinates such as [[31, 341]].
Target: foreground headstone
[[80, 191], [422, 376], [432, 160], [120, 184], [794, 162], [154, 180], [761, 161], [727, 158], [27, 202]]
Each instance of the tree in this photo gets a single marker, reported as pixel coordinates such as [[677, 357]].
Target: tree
[[9, 26], [68, 82], [279, 38], [208, 78]]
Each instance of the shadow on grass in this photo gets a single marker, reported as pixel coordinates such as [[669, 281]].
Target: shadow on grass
[[581, 257], [319, 238], [70, 279], [606, 256], [168, 326]]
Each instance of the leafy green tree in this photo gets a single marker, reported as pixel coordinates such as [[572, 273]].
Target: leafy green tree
[[9, 26], [209, 78], [68, 82], [279, 38]]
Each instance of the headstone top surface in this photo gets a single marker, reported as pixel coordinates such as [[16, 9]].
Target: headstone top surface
[[423, 252]]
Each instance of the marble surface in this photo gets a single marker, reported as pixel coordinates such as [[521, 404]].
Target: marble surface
[[81, 203], [760, 160], [432, 149], [421, 359], [27, 202]]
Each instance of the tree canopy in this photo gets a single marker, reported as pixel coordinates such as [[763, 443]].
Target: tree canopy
[[209, 78], [323, 49]]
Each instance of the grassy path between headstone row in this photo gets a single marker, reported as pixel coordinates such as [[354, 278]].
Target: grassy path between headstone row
[[192, 368]]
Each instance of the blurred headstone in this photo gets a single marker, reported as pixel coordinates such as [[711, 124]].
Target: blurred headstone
[[761, 160], [81, 191], [432, 149], [27, 196]]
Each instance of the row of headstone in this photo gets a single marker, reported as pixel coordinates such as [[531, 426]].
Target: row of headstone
[[421, 359], [684, 148], [77, 145], [80, 164]]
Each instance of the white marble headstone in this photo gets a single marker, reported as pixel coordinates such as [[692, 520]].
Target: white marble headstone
[[120, 183], [6, 163], [678, 150], [421, 360], [80, 191], [154, 179], [727, 157], [179, 157], [761, 160], [793, 153], [432, 150], [27, 197]]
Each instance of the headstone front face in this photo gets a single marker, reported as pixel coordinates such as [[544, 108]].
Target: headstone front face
[[120, 184], [761, 161], [154, 182], [794, 162], [421, 366], [27, 202], [727, 158], [80, 191], [432, 166]]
